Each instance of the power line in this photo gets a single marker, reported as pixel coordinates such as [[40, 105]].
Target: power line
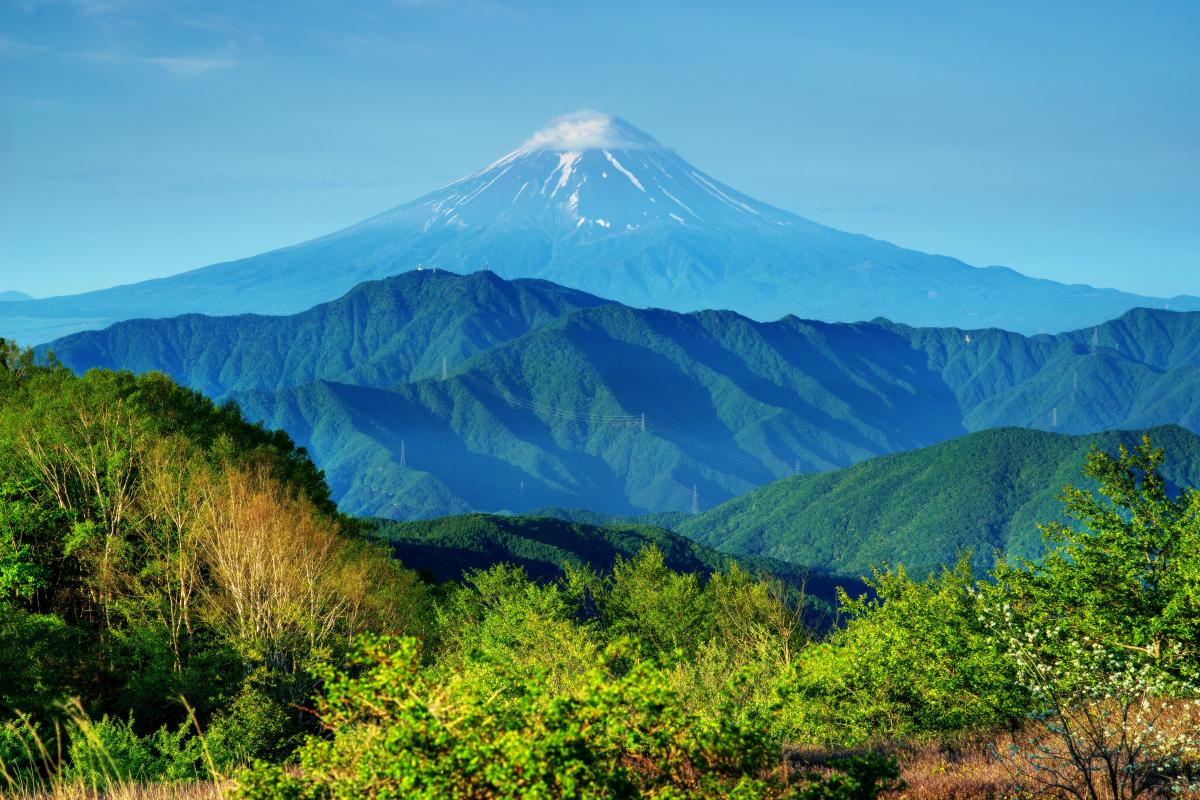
[[638, 421]]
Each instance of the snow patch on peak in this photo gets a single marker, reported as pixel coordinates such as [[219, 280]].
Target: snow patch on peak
[[623, 171], [589, 130], [566, 164]]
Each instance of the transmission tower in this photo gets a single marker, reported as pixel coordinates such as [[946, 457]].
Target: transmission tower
[[643, 422], [522, 494], [695, 499], [1095, 340], [403, 458], [445, 369], [1054, 417]]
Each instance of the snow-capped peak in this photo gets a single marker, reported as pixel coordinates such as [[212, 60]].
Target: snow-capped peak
[[592, 175], [588, 130]]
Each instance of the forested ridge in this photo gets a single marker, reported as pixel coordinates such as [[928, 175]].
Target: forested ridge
[[984, 492], [430, 393]]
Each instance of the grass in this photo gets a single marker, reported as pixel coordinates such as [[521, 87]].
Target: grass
[[938, 771], [128, 791]]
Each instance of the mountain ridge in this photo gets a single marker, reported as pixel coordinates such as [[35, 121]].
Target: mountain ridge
[[380, 333], [984, 492], [728, 404]]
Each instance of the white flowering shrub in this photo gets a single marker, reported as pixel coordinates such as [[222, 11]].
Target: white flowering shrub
[[1110, 723], [1103, 633]]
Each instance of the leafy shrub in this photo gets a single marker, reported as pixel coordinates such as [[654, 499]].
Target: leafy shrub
[[1102, 633], [402, 732], [253, 726], [914, 659], [108, 751]]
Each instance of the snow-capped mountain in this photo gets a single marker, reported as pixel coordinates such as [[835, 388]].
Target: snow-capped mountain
[[592, 173], [593, 203]]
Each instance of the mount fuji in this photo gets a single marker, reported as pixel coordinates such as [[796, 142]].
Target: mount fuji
[[593, 203]]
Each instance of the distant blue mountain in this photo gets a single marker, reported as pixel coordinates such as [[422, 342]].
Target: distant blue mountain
[[13, 296], [433, 393], [595, 204]]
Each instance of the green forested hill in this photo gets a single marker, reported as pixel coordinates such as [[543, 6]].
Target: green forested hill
[[379, 334], [985, 492], [1139, 370], [662, 519], [447, 547], [729, 404], [135, 518]]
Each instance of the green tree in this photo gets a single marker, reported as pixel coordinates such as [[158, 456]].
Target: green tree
[[1103, 633], [914, 658]]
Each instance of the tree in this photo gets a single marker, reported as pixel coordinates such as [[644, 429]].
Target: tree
[[1103, 633], [913, 658]]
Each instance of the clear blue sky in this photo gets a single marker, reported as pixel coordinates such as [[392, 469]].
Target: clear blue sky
[[144, 137]]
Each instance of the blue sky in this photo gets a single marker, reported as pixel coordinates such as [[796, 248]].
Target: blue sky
[[145, 137]]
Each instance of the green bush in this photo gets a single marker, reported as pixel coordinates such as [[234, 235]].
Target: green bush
[[913, 659], [109, 751], [253, 726], [403, 732]]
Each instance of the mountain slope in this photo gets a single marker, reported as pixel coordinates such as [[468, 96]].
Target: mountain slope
[[447, 547], [593, 203], [555, 417], [379, 334], [11, 296], [547, 391], [629, 411], [985, 492], [1139, 370]]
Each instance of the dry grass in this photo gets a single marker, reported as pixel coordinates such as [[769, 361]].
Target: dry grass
[[939, 771], [969, 768], [130, 791]]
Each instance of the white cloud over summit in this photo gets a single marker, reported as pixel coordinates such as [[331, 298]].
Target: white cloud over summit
[[588, 130]]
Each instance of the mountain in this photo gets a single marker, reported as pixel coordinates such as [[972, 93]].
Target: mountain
[[619, 410], [381, 333], [13, 296], [446, 547], [627, 411], [985, 491], [594, 203]]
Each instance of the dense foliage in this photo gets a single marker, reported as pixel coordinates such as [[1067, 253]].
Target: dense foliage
[[155, 546], [167, 568]]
